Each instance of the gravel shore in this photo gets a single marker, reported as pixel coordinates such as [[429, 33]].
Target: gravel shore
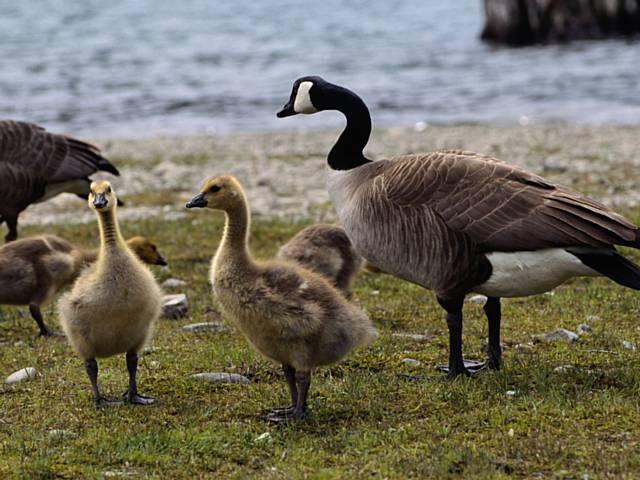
[[283, 172]]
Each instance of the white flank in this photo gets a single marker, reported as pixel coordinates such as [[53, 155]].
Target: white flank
[[303, 102], [519, 274]]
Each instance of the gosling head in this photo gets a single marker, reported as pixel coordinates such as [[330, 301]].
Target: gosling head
[[146, 250], [102, 198], [308, 95], [222, 192]]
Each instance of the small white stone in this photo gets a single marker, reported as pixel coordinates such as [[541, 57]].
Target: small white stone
[[411, 362], [21, 375], [416, 337], [510, 393], [221, 377], [511, 432], [477, 299], [559, 334], [420, 126], [592, 318], [57, 433], [628, 345], [203, 327], [583, 328], [265, 437], [171, 283], [375, 292], [174, 306], [563, 368]]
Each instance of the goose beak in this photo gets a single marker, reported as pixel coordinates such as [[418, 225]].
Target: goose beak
[[197, 202], [287, 111], [100, 201], [161, 261]]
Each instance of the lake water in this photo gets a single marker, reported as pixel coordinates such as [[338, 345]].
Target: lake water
[[134, 68]]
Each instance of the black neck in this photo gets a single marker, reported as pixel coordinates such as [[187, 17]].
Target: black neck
[[347, 152]]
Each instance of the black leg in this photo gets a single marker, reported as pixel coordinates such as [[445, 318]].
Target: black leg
[[290, 375], [494, 351], [131, 395], [34, 310], [12, 224], [453, 308], [91, 366], [302, 382]]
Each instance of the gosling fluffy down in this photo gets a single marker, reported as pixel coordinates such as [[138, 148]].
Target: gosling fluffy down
[[291, 315], [325, 249], [114, 303]]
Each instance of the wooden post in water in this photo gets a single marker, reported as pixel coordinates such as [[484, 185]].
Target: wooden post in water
[[526, 22]]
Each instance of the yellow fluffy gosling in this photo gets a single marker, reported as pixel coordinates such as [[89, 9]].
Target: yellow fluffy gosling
[[325, 249], [291, 315], [33, 270], [113, 304]]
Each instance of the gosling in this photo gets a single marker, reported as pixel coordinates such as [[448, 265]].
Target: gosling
[[33, 270], [291, 315], [114, 304], [325, 249]]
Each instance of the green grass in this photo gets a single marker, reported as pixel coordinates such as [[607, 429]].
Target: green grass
[[370, 416]]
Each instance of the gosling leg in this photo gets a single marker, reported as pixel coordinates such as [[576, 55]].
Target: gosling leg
[[131, 395], [12, 224], [36, 314], [303, 381], [91, 366], [290, 375]]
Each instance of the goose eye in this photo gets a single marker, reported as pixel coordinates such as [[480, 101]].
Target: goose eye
[[108, 189], [214, 189]]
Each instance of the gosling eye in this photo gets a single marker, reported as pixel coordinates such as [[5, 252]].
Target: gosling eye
[[214, 189], [108, 189]]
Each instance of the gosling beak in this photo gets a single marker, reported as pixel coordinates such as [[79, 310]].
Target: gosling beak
[[197, 202], [100, 201], [287, 110], [161, 261]]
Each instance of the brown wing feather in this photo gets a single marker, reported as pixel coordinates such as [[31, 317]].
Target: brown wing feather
[[56, 158], [502, 207]]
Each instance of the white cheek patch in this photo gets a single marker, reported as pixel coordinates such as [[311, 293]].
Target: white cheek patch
[[303, 102]]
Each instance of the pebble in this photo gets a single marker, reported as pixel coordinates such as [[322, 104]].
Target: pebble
[[21, 375], [57, 433], [411, 362], [628, 345], [174, 306], [563, 368], [221, 377], [592, 318], [559, 334], [265, 437], [583, 328], [511, 432], [171, 283], [203, 327], [412, 336], [477, 299], [510, 393]]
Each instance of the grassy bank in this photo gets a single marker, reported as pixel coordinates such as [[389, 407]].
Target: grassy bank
[[372, 416]]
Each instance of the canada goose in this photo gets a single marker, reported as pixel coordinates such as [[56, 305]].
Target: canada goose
[[459, 222], [325, 249], [113, 304], [291, 315], [36, 165], [33, 270]]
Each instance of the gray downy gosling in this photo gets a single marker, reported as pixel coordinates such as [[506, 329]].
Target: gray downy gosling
[[327, 250], [291, 315], [114, 304], [33, 270]]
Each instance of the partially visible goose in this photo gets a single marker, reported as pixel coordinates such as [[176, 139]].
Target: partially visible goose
[[113, 304], [458, 221], [327, 250], [33, 270], [36, 165], [291, 315]]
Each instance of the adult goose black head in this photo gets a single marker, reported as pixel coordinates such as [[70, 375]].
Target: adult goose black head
[[313, 94], [36, 165], [458, 221]]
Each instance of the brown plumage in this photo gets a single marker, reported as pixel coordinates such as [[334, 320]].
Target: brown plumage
[[33, 270], [291, 315], [113, 304], [325, 249], [458, 221], [36, 165]]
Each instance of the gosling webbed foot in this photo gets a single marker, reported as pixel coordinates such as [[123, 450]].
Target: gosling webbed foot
[[101, 402], [134, 398], [48, 333], [281, 410]]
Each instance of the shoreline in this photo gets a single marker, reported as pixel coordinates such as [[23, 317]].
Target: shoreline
[[283, 171]]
